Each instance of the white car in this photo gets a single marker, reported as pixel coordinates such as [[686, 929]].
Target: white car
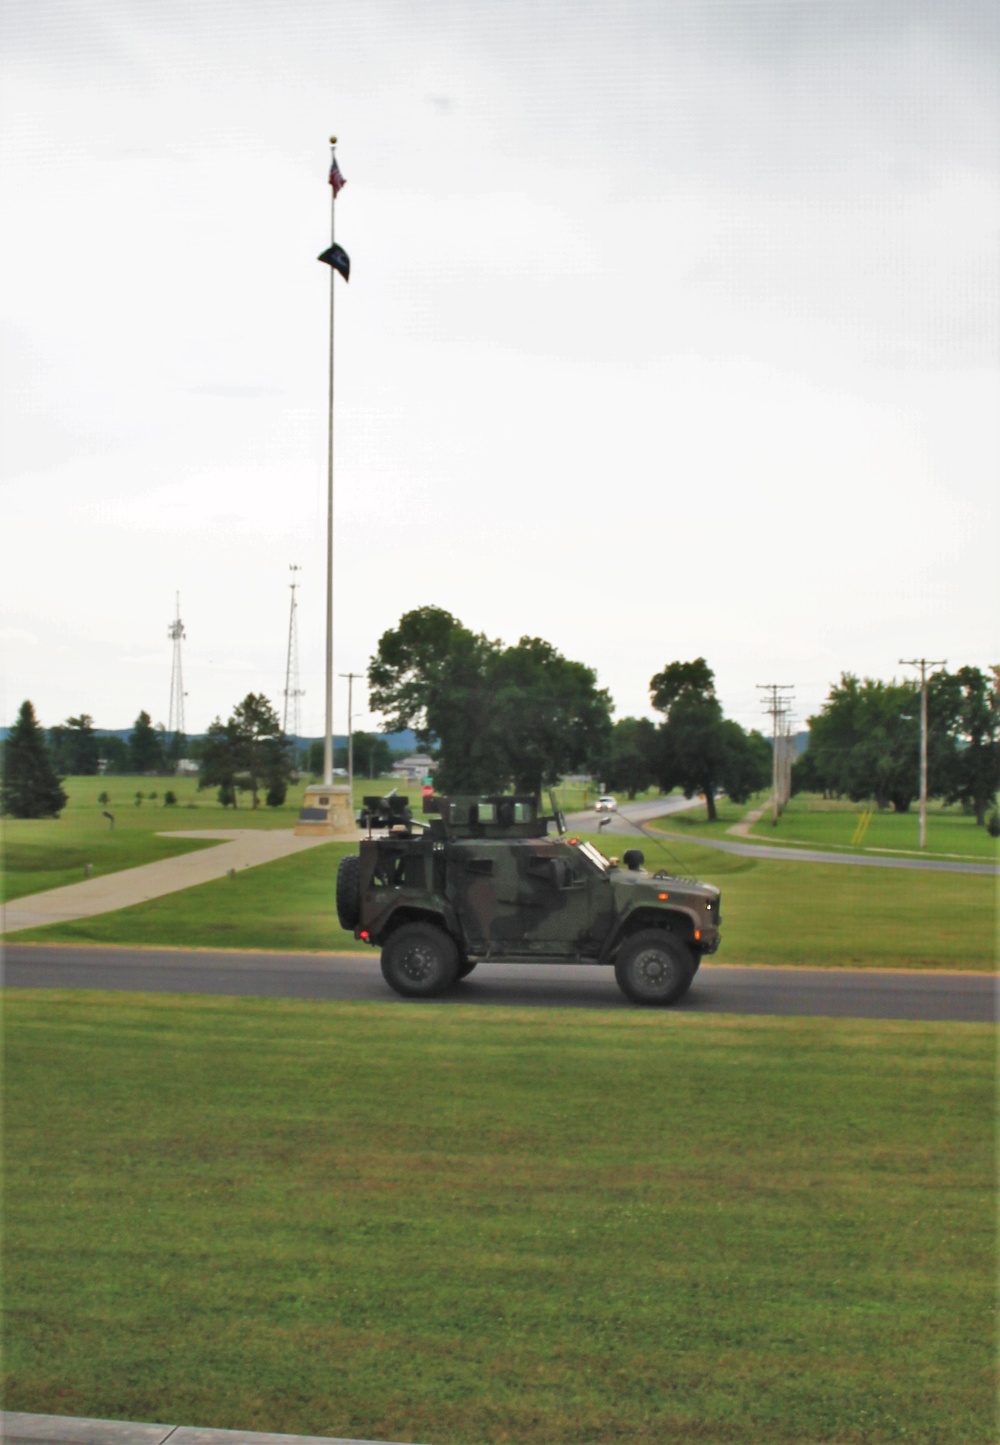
[[606, 804]]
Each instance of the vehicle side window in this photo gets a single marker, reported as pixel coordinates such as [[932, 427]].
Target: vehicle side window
[[405, 870]]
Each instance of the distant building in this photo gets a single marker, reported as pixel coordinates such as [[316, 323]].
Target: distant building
[[414, 769], [186, 768]]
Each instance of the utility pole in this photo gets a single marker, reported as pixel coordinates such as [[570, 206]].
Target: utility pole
[[923, 663], [350, 730], [777, 708], [292, 690]]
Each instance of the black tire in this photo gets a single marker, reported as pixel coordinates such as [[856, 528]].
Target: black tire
[[420, 961], [654, 967], [464, 969], [349, 892]]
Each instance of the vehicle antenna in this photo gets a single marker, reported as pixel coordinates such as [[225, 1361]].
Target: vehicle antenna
[[653, 837]]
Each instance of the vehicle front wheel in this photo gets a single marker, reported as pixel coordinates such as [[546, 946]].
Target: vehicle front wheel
[[654, 967], [419, 961]]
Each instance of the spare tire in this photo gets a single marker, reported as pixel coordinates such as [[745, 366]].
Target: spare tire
[[349, 892]]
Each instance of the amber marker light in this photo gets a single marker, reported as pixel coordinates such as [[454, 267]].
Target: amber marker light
[[697, 934], [663, 897]]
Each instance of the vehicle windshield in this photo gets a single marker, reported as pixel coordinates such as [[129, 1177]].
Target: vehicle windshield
[[598, 859]]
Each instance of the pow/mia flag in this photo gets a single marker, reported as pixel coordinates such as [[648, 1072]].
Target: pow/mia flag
[[338, 258]]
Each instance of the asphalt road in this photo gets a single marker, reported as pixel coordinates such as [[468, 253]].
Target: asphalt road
[[819, 992]]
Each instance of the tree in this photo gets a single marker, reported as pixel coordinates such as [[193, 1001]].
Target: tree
[[700, 750], [965, 707], [548, 716], [518, 715], [145, 746], [631, 765], [372, 755], [115, 753], [173, 750], [429, 673], [247, 753], [75, 747], [29, 786], [865, 742]]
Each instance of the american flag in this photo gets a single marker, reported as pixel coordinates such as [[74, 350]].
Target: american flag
[[336, 179]]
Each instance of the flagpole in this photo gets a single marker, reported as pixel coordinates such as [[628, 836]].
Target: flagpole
[[328, 735]]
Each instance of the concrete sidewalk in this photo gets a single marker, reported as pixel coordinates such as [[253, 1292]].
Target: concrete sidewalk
[[238, 849], [19, 1429]]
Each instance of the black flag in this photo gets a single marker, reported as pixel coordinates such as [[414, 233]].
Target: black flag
[[338, 258]]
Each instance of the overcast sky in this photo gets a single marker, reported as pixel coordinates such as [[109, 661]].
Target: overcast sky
[[671, 331]]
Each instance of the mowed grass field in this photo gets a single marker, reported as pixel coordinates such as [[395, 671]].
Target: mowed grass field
[[814, 914], [42, 853], [458, 1227], [817, 822]]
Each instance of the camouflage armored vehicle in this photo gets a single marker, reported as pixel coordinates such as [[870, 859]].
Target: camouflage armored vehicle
[[484, 881]]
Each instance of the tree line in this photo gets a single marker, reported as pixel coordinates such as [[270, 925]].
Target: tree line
[[864, 744], [524, 716], [79, 749]]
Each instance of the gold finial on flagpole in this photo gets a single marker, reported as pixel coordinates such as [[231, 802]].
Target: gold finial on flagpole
[[333, 140]]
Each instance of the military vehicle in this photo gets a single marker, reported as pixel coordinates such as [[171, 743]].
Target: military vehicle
[[484, 881]]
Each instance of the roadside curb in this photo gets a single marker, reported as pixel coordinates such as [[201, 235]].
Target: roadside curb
[[22, 1429]]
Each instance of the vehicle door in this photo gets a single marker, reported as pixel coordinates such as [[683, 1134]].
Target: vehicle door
[[568, 897]]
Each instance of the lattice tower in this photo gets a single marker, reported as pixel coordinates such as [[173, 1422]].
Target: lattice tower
[[291, 723], [176, 633]]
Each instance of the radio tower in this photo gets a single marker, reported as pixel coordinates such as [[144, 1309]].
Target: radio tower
[[175, 721], [292, 690]]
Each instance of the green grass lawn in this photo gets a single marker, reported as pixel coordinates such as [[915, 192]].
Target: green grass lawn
[[832, 823], [828, 823], [43, 853], [419, 1223], [773, 913]]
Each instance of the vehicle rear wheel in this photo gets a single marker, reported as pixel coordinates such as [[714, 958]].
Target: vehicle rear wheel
[[419, 960], [349, 891], [654, 967]]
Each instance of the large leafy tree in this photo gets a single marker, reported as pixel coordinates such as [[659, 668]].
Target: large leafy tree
[[633, 754], [548, 716], [964, 727], [75, 747], [520, 715], [247, 753], [865, 742], [701, 751], [29, 787]]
